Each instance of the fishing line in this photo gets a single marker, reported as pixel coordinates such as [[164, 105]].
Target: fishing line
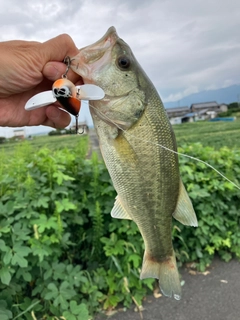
[[166, 148]]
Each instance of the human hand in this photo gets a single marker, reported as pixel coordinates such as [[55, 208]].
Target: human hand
[[28, 68]]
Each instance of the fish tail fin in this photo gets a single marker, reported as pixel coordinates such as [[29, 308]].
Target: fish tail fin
[[166, 272]]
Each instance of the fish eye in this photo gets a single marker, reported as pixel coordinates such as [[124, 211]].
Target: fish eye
[[123, 62]]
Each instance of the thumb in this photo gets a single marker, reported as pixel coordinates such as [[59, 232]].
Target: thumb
[[54, 70]]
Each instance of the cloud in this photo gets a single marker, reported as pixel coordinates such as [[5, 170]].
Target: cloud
[[179, 95], [180, 44]]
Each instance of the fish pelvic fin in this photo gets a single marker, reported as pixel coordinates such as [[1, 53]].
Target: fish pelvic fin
[[166, 272], [184, 212], [118, 211]]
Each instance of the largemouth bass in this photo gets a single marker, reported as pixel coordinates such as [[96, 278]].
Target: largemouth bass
[[132, 125]]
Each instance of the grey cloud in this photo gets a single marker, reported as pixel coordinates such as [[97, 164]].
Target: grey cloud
[[180, 44]]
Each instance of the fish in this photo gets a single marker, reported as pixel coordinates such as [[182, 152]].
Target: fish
[[139, 148]]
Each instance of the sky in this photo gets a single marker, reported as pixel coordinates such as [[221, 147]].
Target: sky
[[184, 46]]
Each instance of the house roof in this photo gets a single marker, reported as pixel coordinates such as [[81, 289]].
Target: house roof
[[204, 105], [189, 115], [192, 114], [177, 109], [202, 111]]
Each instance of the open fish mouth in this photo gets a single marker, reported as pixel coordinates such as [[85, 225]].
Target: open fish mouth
[[95, 56], [94, 52]]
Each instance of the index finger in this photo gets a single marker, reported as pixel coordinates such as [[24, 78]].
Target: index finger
[[56, 49]]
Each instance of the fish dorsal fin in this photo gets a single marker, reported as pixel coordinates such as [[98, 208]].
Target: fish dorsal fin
[[184, 212], [118, 211]]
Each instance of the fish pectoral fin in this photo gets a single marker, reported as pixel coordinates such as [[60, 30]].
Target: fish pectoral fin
[[118, 211], [166, 272], [124, 125], [184, 212]]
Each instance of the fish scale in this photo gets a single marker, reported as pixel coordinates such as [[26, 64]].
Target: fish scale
[[131, 125]]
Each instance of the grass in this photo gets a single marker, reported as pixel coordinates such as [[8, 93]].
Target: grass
[[51, 142], [213, 134]]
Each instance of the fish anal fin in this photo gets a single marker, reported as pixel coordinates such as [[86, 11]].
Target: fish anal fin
[[118, 211], [166, 272], [184, 212]]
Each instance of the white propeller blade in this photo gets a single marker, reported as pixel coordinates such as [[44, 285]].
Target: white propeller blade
[[41, 99], [90, 92], [85, 92]]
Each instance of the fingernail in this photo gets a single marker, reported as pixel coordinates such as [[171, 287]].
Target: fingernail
[[51, 71]]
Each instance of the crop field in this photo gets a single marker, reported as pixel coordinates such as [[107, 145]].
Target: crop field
[[212, 134], [50, 142]]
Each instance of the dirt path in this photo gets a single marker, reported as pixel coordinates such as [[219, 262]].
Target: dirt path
[[94, 144]]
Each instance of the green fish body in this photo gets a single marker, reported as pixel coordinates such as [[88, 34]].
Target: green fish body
[[132, 127]]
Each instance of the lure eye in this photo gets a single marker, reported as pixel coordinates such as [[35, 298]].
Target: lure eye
[[64, 92], [123, 62]]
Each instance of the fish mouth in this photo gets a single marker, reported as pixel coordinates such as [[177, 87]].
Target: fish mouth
[[95, 56]]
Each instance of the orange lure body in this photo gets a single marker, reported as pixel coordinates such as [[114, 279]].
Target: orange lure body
[[66, 94]]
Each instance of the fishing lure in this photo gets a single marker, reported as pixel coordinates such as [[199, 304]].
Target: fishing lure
[[68, 97], [67, 94]]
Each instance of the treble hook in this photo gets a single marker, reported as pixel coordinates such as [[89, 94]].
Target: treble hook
[[67, 60]]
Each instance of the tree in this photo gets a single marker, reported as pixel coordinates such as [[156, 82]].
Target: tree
[[2, 140]]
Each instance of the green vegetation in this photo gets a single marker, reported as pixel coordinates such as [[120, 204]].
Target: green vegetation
[[233, 106], [233, 110], [2, 140], [61, 253], [51, 142], [214, 134], [216, 202]]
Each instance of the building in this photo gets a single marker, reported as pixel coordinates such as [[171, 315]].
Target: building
[[177, 120], [196, 116], [82, 128], [197, 112], [209, 106], [19, 134], [185, 114], [223, 107], [177, 112]]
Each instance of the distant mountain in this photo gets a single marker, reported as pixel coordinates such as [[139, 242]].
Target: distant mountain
[[223, 95]]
